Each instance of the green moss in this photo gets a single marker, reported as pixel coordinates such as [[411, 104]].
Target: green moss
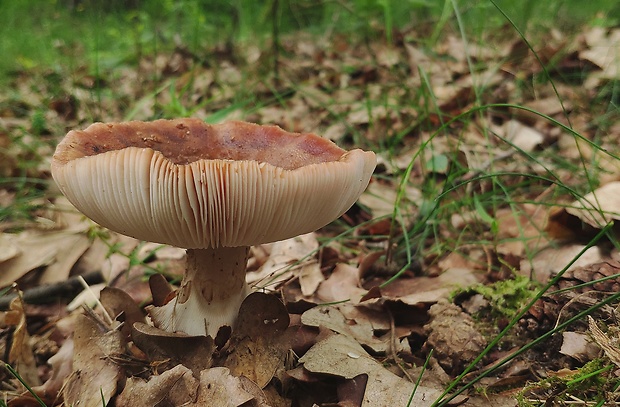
[[506, 297], [590, 384]]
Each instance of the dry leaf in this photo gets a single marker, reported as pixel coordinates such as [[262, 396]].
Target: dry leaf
[[20, 354], [429, 290], [600, 207], [62, 366], [341, 356], [174, 387], [95, 376], [88, 297], [122, 308], [524, 137], [310, 277], [521, 230], [260, 339], [603, 51], [219, 388], [50, 247], [549, 262], [579, 345], [359, 324], [10, 249], [166, 349], [343, 284], [284, 254]]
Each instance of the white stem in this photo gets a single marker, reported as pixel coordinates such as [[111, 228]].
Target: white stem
[[210, 294]]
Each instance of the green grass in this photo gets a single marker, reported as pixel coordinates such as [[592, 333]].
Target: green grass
[[108, 34]]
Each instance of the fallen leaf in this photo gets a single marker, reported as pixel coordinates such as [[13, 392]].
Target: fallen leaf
[[20, 355], [174, 387], [167, 349], [351, 321], [122, 308], [9, 248], [88, 297], [219, 388], [579, 346], [523, 137], [549, 262], [50, 247], [286, 257], [310, 277], [599, 207], [521, 230], [351, 392], [62, 367], [429, 290], [603, 51], [260, 339], [95, 376], [341, 356], [343, 284]]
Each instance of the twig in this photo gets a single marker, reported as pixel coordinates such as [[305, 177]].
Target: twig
[[48, 293], [393, 347], [86, 287]]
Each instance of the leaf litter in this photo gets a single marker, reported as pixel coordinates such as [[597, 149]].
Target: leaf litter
[[326, 330]]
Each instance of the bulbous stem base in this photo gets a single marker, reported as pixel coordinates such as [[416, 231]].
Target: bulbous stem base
[[210, 295]]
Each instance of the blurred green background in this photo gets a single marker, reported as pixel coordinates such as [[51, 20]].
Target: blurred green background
[[106, 33]]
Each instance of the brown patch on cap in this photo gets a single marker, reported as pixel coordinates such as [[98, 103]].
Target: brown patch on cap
[[183, 141]]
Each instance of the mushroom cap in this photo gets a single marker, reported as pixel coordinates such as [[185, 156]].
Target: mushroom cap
[[190, 184]]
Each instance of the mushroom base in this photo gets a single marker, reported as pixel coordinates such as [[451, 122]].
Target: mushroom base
[[210, 295]]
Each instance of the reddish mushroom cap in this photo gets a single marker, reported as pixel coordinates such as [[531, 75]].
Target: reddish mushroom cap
[[193, 185]]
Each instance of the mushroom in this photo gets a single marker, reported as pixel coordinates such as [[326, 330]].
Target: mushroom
[[211, 189]]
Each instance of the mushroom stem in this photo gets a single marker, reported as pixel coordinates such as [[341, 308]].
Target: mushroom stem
[[210, 295]]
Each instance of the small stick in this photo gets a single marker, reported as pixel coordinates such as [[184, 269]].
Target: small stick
[[107, 316], [48, 293]]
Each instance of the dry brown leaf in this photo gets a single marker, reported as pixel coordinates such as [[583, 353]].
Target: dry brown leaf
[[88, 297], [62, 366], [343, 284], [600, 207], [219, 388], [166, 349], [95, 375], [524, 137], [20, 354], [50, 247], [342, 356], [122, 308], [359, 324], [521, 231], [284, 254], [9, 247], [429, 290], [584, 150], [603, 51], [310, 277], [176, 387], [549, 262], [260, 339], [579, 345]]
